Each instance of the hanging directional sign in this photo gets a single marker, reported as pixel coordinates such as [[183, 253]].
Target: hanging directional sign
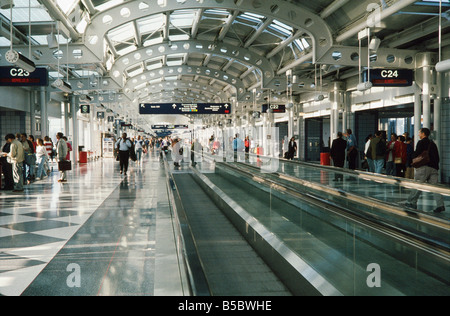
[[14, 76], [276, 108], [184, 108], [390, 77], [85, 108], [164, 127]]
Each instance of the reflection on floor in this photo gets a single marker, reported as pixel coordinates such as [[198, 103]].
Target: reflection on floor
[[94, 235]]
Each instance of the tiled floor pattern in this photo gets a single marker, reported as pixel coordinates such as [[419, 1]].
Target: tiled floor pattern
[[97, 217]]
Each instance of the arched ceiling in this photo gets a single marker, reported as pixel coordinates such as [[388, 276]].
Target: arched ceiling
[[126, 52]]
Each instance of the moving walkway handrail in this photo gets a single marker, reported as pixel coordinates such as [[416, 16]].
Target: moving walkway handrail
[[404, 182], [412, 239], [198, 284], [407, 183], [386, 207]]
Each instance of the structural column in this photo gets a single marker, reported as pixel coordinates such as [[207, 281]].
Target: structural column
[[32, 115], [437, 116], [291, 123], [66, 119], [73, 112], [417, 113], [44, 115], [426, 98]]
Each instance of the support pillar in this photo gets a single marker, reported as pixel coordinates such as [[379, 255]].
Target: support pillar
[[66, 119], [426, 98], [32, 115], [44, 114], [417, 114], [73, 112]]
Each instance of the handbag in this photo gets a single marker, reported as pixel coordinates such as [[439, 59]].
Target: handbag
[[423, 159], [64, 165], [398, 160]]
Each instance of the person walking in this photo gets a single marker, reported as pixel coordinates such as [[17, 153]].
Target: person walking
[[337, 153], [16, 156], [352, 150], [29, 164], [124, 145], [292, 148], [391, 152], [42, 157], [139, 147], [61, 154], [69, 147], [377, 151], [177, 152], [428, 172]]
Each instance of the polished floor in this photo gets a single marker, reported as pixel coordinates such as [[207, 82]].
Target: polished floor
[[101, 233]]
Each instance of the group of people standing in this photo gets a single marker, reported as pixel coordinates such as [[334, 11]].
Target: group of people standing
[[25, 160], [396, 156]]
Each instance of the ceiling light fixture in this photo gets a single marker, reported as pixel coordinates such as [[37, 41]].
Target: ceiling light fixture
[[12, 56], [18, 60], [59, 83], [62, 85], [374, 43], [6, 4]]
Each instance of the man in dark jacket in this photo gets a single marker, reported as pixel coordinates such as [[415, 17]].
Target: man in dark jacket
[[7, 169], [292, 148], [427, 173], [337, 153]]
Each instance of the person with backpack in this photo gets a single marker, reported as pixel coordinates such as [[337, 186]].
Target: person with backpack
[[426, 172], [377, 151]]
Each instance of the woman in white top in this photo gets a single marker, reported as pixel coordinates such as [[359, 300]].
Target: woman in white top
[[41, 157], [139, 148]]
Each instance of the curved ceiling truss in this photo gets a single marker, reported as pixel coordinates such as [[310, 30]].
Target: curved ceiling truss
[[288, 13], [230, 48], [211, 92], [131, 56], [152, 78]]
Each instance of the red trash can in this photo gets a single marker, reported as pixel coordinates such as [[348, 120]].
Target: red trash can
[[325, 159], [83, 157]]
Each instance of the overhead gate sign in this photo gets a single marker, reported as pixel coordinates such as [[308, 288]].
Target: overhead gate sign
[[185, 108]]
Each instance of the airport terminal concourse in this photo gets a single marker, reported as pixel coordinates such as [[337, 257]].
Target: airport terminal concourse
[[224, 148]]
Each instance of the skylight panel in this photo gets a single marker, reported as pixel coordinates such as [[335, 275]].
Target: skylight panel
[[179, 37], [282, 28], [150, 24], [153, 41], [67, 5], [21, 12], [252, 17], [153, 64], [126, 50], [134, 71], [182, 18], [215, 14], [4, 41], [108, 4], [122, 33]]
